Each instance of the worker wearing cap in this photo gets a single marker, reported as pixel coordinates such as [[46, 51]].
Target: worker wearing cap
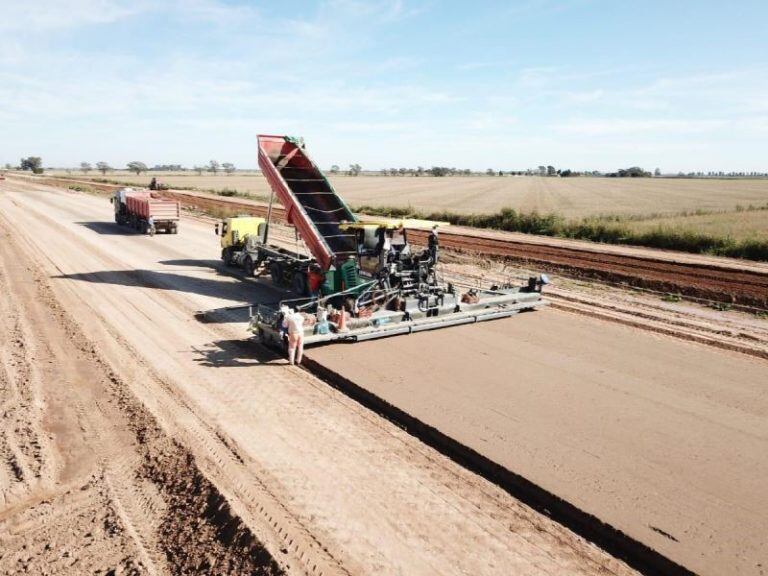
[[433, 244], [295, 337]]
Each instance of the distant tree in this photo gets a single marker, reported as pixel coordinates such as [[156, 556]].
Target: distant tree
[[85, 167], [439, 171], [199, 170], [501, 173], [355, 169], [213, 166], [335, 169], [542, 170], [33, 163], [566, 173], [657, 172], [103, 167], [168, 168], [419, 171], [634, 172], [490, 172], [8, 166], [137, 167], [229, 168], [551, 171]]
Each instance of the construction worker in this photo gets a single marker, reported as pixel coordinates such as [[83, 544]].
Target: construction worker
[[315, 279], [295, 337], [384, 246], [433, 244], [153, 183], [322, 326]]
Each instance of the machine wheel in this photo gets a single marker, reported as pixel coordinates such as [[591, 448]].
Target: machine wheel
[[151, 230], [226, 255], [249, 266], [175, 230], [299, 284], [276, 272]]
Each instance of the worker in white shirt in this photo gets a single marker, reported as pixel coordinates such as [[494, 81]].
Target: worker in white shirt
[[295, 337]]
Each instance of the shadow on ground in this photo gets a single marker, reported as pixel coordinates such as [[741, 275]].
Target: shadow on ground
[[108, 228], [237, 354], [241, 292]]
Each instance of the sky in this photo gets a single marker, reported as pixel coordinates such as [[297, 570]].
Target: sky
[[579, 84]]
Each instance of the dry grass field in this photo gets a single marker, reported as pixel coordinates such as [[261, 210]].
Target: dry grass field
[[739, 225], [568, 197]]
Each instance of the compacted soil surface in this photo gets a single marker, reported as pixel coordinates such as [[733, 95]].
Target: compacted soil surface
[[662, 438]]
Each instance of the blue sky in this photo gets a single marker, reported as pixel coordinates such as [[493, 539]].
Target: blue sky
[[580, 84]]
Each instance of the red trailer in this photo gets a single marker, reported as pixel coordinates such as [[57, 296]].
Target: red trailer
[[146, 211]]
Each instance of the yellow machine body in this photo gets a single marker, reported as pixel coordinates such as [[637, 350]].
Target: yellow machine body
[[234, 230]]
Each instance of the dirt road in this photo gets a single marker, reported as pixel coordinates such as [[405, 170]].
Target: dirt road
[[325, 485]]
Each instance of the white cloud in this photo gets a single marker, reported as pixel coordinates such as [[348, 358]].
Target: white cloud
[[628, 127], [47, 15]]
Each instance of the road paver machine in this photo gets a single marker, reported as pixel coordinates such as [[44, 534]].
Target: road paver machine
[[363, 280]]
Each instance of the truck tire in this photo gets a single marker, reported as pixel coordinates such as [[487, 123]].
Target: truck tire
[[226, 255], [249, 266], [299, 285], [151, 230], [276, 272]]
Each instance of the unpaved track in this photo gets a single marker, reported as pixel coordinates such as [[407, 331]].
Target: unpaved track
[[325, 484]]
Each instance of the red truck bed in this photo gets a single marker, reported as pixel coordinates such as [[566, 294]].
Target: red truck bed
[[310, 201], [159, 209]]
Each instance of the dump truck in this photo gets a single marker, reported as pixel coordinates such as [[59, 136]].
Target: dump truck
[[244, 244], [146, 211]]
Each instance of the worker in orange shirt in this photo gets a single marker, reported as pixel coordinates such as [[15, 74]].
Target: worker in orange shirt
[[315, 279]]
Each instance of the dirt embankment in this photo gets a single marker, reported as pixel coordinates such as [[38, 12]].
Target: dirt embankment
[[89, 483]]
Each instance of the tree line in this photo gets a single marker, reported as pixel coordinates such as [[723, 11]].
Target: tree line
[[214, 166]]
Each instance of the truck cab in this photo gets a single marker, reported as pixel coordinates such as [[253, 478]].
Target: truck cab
[[233, 231]]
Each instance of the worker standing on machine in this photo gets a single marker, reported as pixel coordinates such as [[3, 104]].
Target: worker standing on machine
[[315, 279], [433, 244], [383, 246]]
